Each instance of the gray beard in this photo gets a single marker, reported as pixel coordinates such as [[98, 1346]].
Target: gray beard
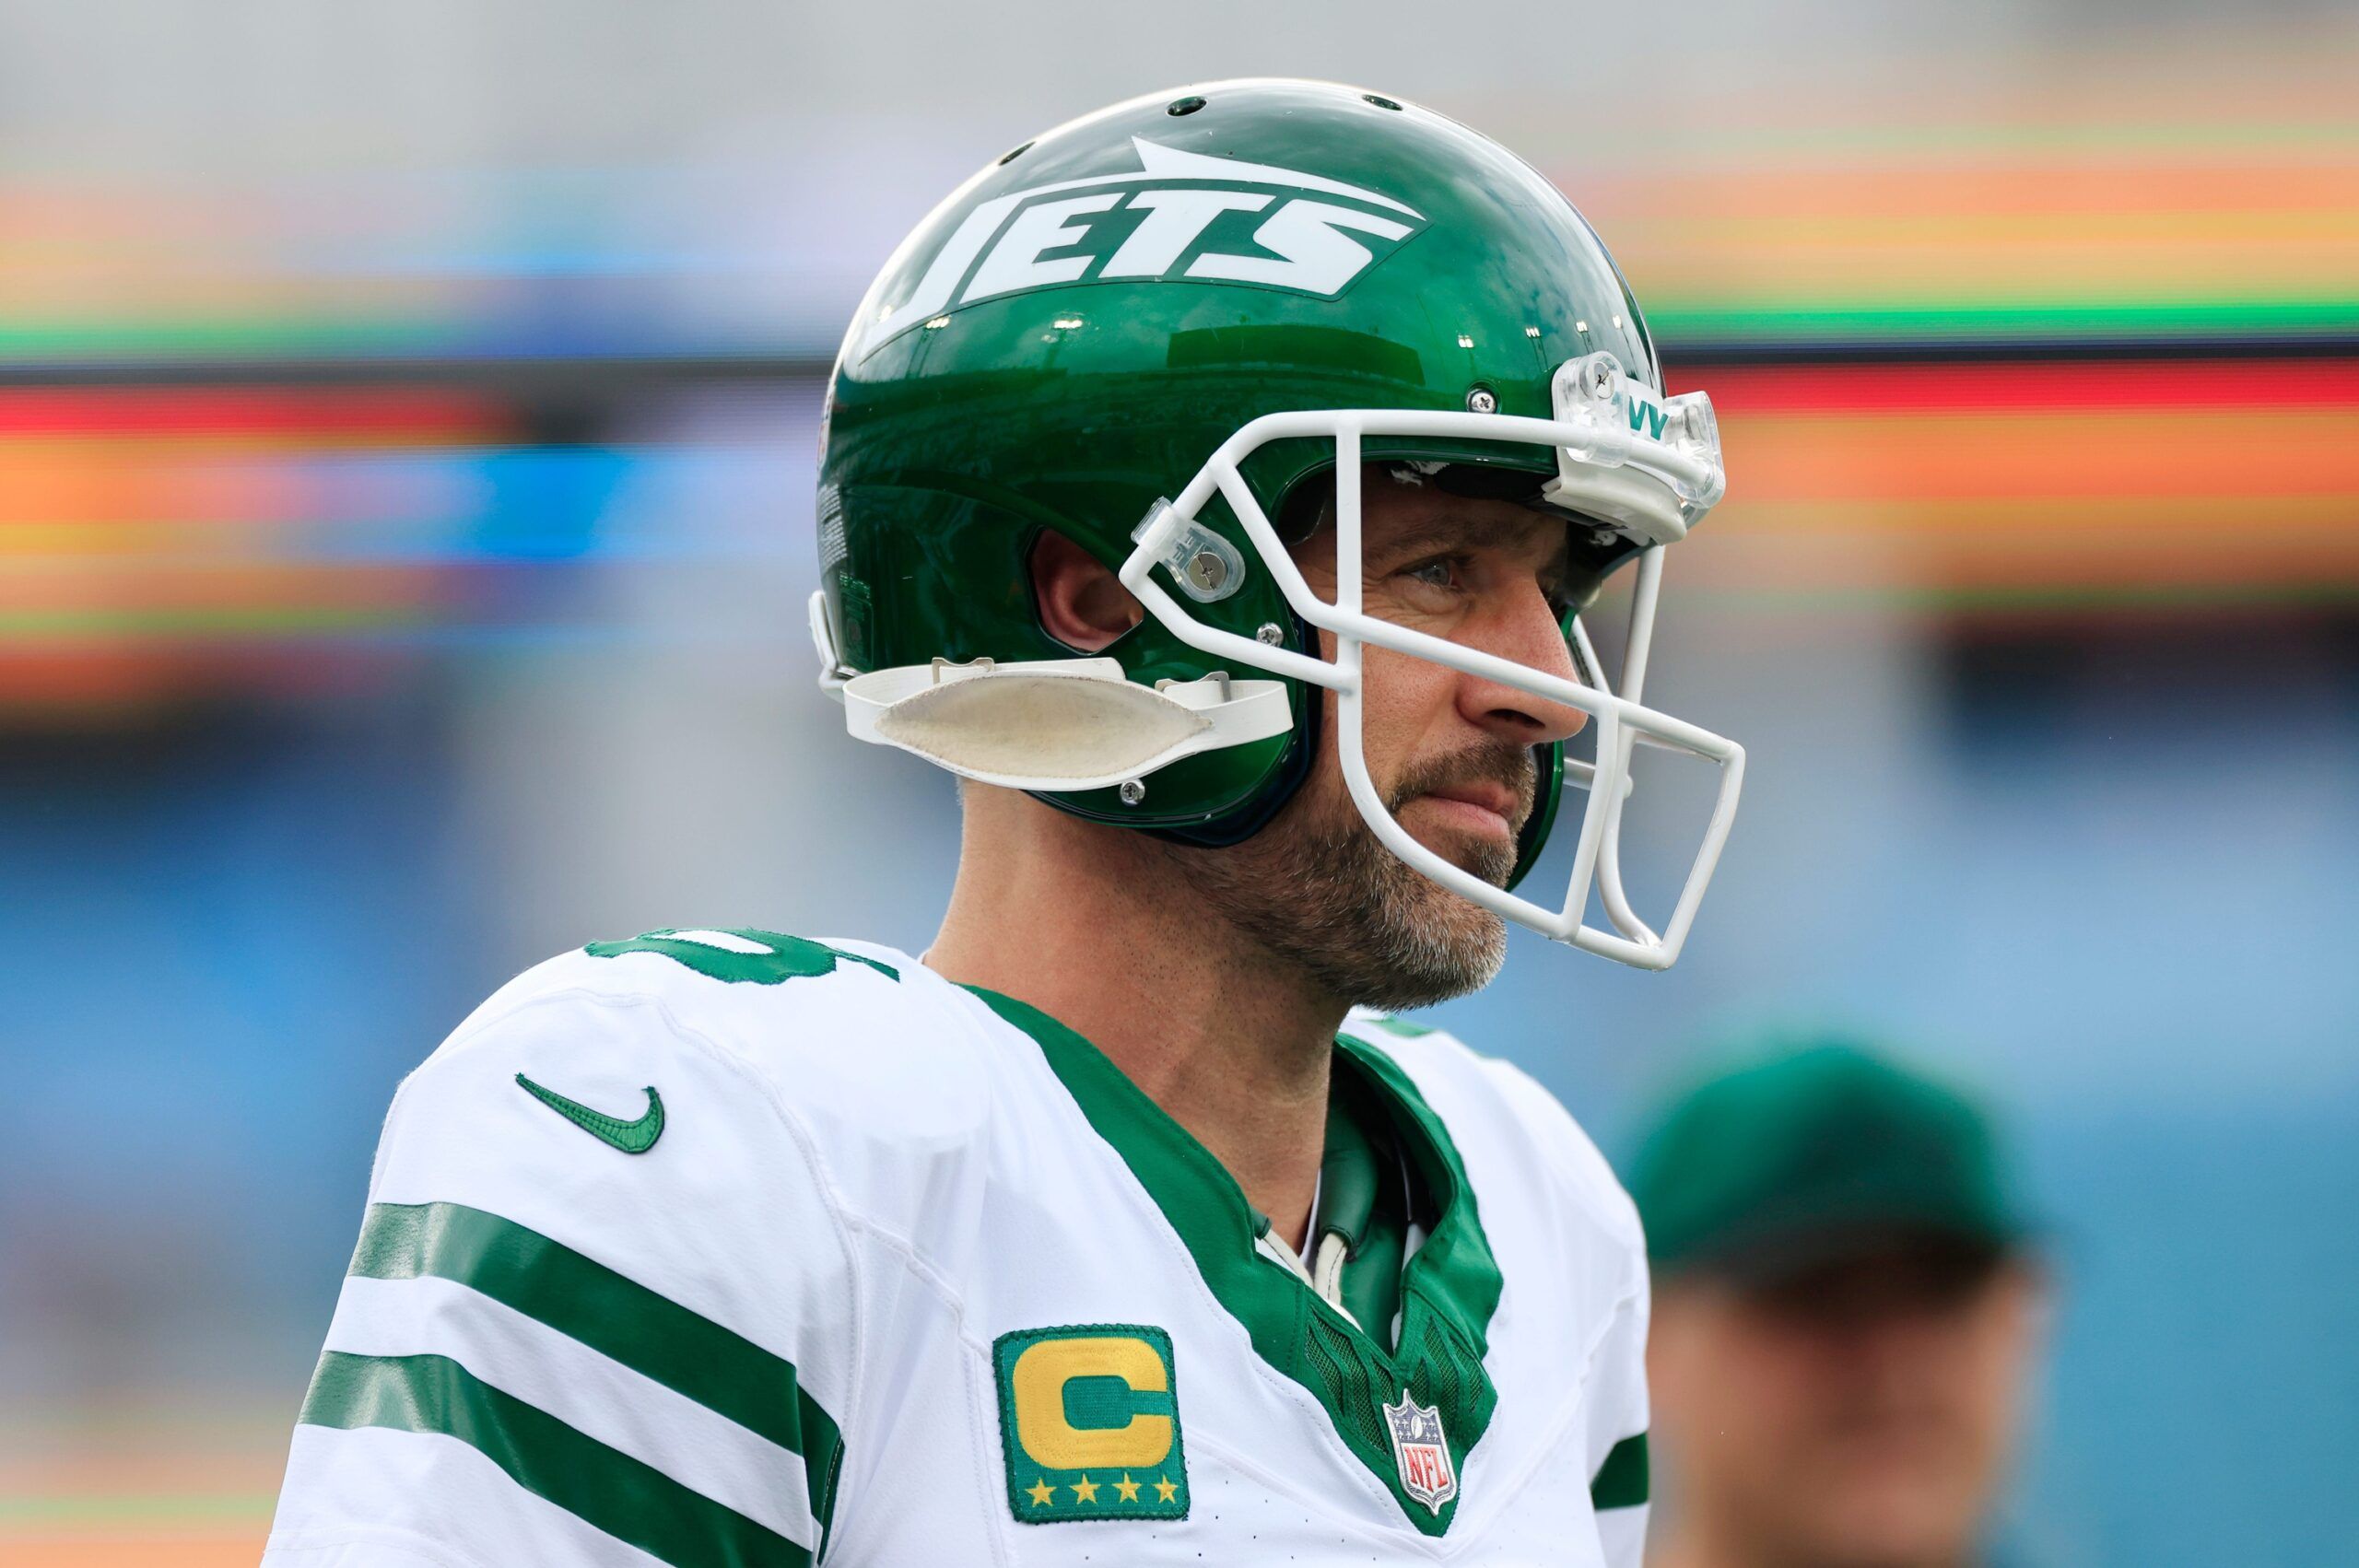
[[1319, 891]]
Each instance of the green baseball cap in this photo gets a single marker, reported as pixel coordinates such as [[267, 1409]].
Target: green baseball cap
[[1818, 1149]]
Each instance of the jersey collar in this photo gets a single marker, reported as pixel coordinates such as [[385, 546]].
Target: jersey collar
[[1448, 1290]]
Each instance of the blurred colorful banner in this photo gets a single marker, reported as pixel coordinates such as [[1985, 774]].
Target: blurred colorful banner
[[1986, 373], [274, 443]]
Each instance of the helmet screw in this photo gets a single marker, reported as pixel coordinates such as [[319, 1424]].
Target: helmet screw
[[1131, 792], [1482, 400], [1601, 378], [1207, 572], [1270, 634]]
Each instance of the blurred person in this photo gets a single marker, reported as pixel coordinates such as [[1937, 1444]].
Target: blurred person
[[1847, 1317], [1107, 1229]]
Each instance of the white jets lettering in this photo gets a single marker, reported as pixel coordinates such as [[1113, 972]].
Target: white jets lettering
[[1008, 244], [1014, 263], [1174, 221], [1315, 256]]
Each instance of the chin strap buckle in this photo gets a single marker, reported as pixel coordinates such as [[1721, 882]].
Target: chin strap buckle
[[1649, 465], [1207, 567]]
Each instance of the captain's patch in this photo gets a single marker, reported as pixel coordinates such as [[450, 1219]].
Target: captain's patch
[[1089, 1417]]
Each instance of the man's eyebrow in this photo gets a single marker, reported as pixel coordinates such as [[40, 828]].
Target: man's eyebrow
[[1446, 533], [1416, 540]]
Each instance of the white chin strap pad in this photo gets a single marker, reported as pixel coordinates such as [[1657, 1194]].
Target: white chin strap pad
[[1056, 724]]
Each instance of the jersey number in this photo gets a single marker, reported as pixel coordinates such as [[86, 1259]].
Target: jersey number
[[759, 957]]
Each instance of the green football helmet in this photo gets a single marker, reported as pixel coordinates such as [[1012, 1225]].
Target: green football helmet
[[1170, 331]]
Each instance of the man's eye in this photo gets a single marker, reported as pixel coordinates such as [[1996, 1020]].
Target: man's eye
[[1442, 573]]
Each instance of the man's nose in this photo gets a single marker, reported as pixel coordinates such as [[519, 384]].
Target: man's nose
[[1525, 631]]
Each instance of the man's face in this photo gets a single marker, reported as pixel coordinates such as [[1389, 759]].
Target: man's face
[[1856, 1416], [1449, 754]]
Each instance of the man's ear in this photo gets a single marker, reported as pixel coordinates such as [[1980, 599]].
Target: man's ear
[[1082, 603]]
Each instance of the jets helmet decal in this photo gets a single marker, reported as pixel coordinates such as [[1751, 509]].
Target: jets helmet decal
[[1175, 198]]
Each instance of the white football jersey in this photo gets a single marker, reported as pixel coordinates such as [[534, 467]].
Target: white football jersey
[[720, 1248]]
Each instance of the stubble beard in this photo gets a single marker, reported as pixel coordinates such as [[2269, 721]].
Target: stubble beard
[[1317, 890]]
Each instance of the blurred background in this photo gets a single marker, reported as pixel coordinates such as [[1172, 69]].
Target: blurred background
[[407, 424]]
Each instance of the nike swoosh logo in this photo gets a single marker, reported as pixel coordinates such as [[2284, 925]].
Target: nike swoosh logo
[[630, 1137]]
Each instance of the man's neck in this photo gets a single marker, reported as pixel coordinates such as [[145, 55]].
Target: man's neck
[[1087, 923]]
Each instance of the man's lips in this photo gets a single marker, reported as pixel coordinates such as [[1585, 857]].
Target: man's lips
[[1480, 807]]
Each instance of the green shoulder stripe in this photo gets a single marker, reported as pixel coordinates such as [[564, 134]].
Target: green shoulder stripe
[[627, 1499], [762, 958], [1621, 1481], [614, 1316]]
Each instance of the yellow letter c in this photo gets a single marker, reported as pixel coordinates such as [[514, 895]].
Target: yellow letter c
[[1037, 1382]]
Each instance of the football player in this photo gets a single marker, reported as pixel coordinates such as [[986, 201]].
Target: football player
[[1214, 483]]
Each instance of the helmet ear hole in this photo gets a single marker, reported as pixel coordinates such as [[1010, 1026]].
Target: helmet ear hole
[[1078, 599]]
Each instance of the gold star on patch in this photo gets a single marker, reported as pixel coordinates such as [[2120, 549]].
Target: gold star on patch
[[1126, 1489], [1085, 1491], [1164, 1491], [1042, 1494]]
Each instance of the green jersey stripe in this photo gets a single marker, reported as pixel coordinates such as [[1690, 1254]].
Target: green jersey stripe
[[630, 1501], [1621, 1481], [614, 1316]]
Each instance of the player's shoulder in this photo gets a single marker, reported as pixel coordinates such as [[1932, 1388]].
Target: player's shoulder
[[706, 972], [857, 1048], [834, 1017], [598, 1194], [1491, 1105]]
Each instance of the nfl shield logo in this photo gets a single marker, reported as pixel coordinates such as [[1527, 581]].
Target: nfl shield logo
[[1422, 1452]]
